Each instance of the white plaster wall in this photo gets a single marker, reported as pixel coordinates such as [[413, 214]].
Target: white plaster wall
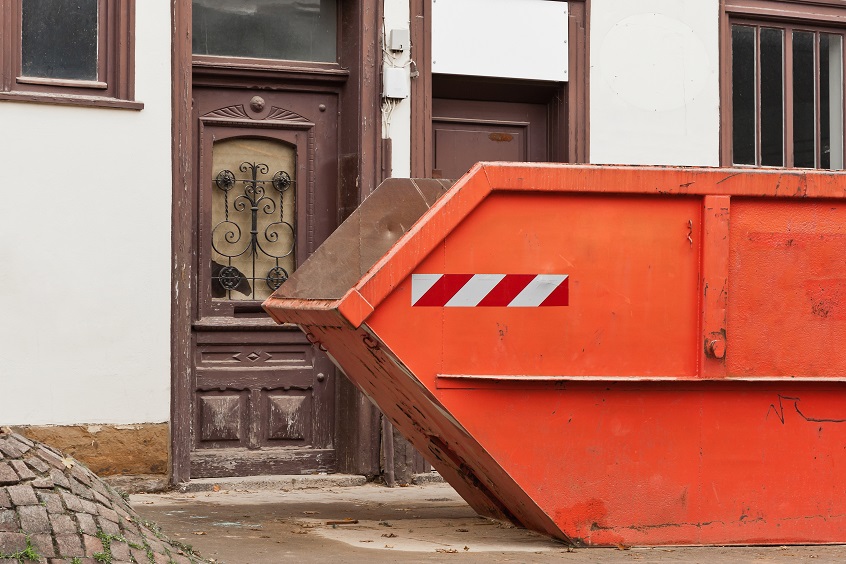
[[397, 125], [468, 38], [85, 251], [654, 82]]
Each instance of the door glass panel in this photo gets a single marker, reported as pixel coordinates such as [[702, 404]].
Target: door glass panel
[[59, 39], [253, 217], [804, 94], [831, 101], [301, 30], [743, 94], [772, 97]]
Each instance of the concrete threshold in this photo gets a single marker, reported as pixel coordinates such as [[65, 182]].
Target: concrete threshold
[[157, 483], [289, 482], [272, 483]]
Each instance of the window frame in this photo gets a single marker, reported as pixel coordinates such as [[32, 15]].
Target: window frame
[[115, 84], [815, 16]]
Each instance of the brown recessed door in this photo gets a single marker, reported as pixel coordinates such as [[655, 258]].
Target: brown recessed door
[[266, 182], [465, 132]]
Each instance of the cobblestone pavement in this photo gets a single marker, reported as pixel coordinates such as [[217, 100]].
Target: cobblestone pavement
[[54, 510]]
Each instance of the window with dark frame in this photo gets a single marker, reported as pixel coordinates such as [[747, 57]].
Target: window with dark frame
[[77, 52], [785, 87]]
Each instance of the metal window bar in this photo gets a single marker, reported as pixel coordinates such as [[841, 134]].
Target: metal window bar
[[227, 278]]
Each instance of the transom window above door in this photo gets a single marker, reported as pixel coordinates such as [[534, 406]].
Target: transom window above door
[[301, 30]]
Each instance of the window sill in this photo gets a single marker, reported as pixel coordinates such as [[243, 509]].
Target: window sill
[[208, 70], [71, 100]]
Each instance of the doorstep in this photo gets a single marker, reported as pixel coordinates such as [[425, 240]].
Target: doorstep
[[273, 482]]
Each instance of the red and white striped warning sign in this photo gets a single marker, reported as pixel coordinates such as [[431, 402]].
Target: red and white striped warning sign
[[489, 290]]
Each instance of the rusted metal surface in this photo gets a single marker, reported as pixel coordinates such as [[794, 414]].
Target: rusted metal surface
[[691, 390], [370, 231]]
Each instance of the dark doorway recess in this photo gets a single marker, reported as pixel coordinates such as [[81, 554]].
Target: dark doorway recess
[[481, 119]]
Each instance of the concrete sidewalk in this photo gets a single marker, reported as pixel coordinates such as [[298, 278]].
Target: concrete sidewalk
[[375, 524]]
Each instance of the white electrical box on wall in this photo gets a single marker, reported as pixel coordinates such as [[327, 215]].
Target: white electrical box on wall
[[501, 38], [399, 40], [395, 82]]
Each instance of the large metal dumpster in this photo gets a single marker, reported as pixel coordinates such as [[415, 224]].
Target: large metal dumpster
[[608, 355]]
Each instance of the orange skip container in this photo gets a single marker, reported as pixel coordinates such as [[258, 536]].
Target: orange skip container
[[607, 355]]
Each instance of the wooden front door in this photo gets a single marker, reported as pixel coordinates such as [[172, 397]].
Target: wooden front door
[[266, 90], [266, 184], [273, 145]]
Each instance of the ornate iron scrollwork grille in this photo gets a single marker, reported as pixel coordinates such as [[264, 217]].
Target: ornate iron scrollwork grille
[[254, 234]]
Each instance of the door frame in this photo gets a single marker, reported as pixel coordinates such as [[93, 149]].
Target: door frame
[[357, 424]]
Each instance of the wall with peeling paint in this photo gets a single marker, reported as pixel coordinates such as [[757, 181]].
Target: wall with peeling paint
[[654, 82], [85, 256]]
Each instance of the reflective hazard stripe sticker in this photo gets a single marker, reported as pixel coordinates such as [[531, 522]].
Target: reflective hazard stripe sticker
[[489, 290]]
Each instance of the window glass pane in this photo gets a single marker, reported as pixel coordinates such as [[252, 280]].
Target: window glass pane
[[831, 101], [301, 30], [59, 39], [253, 217], [804, 131], [772, 97], [743, 93]]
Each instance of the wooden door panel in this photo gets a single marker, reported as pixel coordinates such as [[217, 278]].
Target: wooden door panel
[[237, 355], [221, 418], [223, 462], [222, 351], [217, 379], [254, 418], [465, 132], [459, 145]]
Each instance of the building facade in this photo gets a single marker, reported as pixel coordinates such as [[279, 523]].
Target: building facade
[[169, 169]]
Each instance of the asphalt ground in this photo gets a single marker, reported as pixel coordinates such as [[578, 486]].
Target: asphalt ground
[[374, 524]]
